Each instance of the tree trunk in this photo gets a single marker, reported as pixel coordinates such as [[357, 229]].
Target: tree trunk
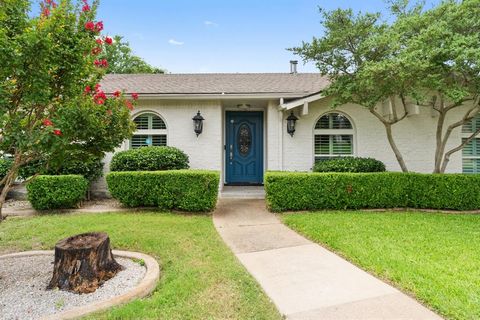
[[440, 143], [83, 263], [396, 151], [7, 183]]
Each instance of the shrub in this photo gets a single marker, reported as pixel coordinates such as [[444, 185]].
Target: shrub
[[349, 164], [56, 192], [149, 159], [315, 191], [187, 190], [75, 162]]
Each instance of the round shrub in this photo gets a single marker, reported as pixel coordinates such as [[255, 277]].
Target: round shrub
[[150, 159], [56, 192], [349, 164]]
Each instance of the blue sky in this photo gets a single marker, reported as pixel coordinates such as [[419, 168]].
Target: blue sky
[[188, 36]]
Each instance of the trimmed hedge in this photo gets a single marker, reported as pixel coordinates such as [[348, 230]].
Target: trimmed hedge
[[349, 164], [149, 159], [317, 191], [56, 192], [186, 190]]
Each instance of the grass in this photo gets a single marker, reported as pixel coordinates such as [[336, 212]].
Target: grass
[[433, 256], [200, 277]]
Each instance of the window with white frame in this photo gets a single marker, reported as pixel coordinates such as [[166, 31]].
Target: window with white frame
[[151, 131], [333, 136], [471, 151]]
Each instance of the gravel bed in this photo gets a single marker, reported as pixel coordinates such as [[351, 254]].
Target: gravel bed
[[17, 204], [23, 282]]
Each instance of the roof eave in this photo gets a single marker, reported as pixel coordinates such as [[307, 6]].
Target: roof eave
[[226, 96]]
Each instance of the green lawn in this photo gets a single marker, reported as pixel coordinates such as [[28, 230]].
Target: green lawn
[[435, 257], [200, 279]]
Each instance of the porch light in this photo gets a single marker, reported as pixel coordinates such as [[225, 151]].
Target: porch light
[[198, 123], [291, 124]]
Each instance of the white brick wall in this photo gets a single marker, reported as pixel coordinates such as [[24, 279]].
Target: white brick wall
[[415, 136], [204, 152]]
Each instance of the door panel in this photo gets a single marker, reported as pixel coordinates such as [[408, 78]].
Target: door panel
[[244, 147]]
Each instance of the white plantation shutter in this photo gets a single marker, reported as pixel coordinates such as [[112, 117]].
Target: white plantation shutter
[[151, 131], [333, 136], [471, 151]]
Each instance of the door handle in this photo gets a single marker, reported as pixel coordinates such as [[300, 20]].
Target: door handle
[[231, 152]]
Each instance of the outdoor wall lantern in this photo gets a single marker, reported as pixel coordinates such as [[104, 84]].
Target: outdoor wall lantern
[[198, 123], [291, 124]]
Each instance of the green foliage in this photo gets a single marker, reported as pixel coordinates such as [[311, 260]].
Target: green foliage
[[56, 192], [4, 167], [81, 163], [121, 59], [186, 190], [149, 159], [349, 164], [315, 191]]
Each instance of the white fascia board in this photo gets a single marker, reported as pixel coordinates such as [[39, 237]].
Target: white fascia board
[[301, 102]]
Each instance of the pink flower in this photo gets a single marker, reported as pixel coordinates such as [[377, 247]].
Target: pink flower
[[134, 96], [90, 26], [101, 63], [99, 101], [99, 26], [117, 93], [47, 123], [108, 40], [57, 132], [99, 41], [85, 8], [87, 90], [46, 12], [129, 104], [97, 87]]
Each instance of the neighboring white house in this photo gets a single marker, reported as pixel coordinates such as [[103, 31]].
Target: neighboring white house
[[245, 127]]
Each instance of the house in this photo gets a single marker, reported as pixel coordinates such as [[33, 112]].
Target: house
[[245, 124]]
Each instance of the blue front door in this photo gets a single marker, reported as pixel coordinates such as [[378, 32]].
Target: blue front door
[[244, 148]]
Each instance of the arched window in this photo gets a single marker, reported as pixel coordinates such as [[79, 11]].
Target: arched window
[[471, 151], [151, 131], [333, 136]]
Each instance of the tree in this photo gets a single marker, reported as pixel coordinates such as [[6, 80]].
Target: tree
[[121, 59], [50, 99], [358, 54], [444, 50], [424, 57]]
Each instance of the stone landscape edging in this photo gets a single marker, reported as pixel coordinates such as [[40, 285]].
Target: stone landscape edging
[[143, 289]]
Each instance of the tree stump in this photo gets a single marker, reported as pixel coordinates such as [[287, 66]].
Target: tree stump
[[83, 263]]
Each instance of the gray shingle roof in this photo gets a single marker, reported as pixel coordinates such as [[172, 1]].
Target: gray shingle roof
[[216, 83]]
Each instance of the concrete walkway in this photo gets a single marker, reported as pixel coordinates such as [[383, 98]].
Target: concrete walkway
[[304, 280]]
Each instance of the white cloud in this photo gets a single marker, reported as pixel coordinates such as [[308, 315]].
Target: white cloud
[[175, 42], [210, 23]]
